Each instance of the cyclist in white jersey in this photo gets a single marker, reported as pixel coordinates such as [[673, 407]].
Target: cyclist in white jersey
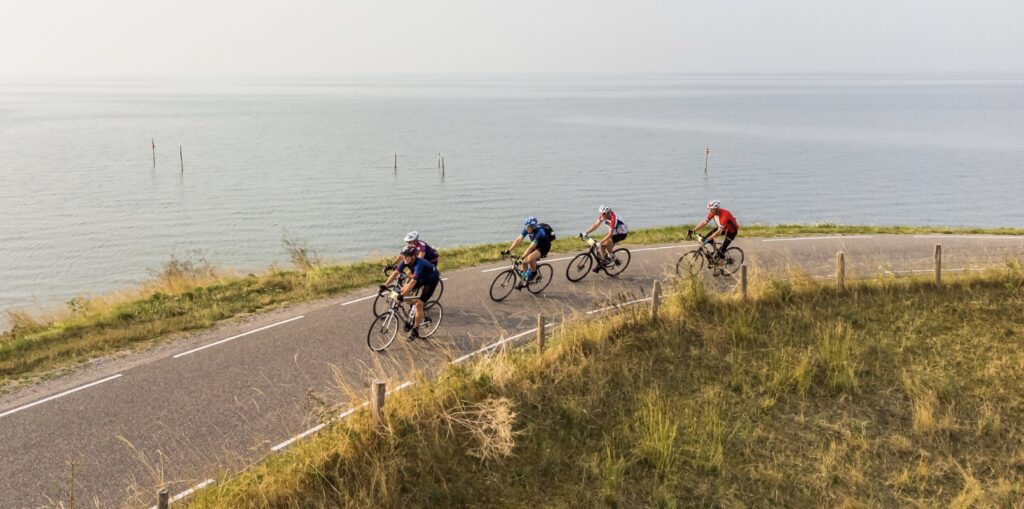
[[617, 232]]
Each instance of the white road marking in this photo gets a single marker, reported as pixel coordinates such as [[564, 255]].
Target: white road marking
[[65, 393], [663, 247], [835, 237], [359, 300], [540, 261], [619, 305], [189, 491], [215, 343], [298, 437], [986, 237], [498, 343]]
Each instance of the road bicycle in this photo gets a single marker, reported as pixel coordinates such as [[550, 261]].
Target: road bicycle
[[380, 304], [513, 279], [707, 254], [400, 312], [613, 265]]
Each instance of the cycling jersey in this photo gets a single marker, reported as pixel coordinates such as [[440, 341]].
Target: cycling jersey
[[615, 224], [423, 271], [428, 252], [725, 219], [539, 236]]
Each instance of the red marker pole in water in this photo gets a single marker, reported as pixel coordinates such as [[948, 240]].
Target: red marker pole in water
[[707, 151]]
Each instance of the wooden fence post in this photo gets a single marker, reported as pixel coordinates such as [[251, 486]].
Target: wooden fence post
[[163, 499], [743, 281], [938, 264], [655, 299], [841, 271], [377, 401], [540, 333]]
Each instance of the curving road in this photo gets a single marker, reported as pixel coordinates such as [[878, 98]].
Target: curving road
[[182, 412]]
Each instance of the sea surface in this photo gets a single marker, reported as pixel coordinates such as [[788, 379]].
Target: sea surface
[[83, 211]]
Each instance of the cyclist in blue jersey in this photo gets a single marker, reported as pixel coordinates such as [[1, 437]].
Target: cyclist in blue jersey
[[424, 277], [617, 232], [540, 244]]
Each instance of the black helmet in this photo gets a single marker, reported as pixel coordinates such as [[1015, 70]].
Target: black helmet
[[409, 251]]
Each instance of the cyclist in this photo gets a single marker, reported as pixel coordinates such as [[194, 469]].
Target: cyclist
[[424, 277], [617, 232], [412, 239], [540, 244], [727, 226]]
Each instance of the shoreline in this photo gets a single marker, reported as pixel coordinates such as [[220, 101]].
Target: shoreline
[[188, 297]]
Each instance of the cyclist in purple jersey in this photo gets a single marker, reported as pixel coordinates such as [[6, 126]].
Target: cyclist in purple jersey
[[412, 239]]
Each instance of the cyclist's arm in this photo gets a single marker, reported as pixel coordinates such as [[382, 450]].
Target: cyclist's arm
[[531, 248], [716, 233], [515, 243], [592, 227], [703, 223], [391, 278], [407, 289]]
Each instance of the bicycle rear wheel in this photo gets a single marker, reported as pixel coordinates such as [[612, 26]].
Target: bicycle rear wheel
[[432, 315], [690, 264], [620, 260], [543, 278], [503, 285], [382, 332], [439, 292], [579, 267], [733, 260]]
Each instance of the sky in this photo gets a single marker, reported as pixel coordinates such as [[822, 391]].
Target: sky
[[338, 37]]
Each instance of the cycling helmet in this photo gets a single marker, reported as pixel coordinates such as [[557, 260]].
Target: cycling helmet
[[412, 236], [530, 221], [604, 209], [714, 204], [409, 251]]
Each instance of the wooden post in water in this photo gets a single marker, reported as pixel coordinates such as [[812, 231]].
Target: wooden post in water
[[743, 281], [841, 271], [152, 143], [938, 264], [655, 299], [396, 162], [707, 152], [163, 499], [181, 158], [377, 402], [442, 164], [540, 333]]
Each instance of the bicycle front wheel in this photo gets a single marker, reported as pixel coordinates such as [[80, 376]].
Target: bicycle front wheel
[[382, 332], [579, 267], [503, 285], [690, 264], [541, 280], [620, 260], [432, 315], [381, 305], [733, 260]]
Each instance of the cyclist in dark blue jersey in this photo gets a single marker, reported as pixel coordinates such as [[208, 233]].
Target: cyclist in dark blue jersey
[[424, 277], [540, 245]]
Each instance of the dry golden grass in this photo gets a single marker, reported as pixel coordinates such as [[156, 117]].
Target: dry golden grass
[[892, 394]]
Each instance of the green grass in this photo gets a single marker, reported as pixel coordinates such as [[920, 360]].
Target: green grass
[[189, 296], [893, 394]]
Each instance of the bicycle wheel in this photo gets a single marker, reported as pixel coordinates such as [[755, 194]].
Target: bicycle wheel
[[382, 332], [543, 278], [437, 293], [381, 305], [620, 260], [579, 267], [733, 260], [432, 315], [690, 264], [503, 285]]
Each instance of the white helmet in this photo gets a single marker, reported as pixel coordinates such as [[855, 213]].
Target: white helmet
[[604, 209], [412, 236], [714, 204]]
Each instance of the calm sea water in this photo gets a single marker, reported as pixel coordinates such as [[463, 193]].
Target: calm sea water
[[83, 211]]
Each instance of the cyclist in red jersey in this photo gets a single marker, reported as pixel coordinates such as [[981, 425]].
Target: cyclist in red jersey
[[727, 225]]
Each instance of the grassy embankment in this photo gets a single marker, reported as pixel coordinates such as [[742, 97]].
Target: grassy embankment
[[187, 296], [895, 393]]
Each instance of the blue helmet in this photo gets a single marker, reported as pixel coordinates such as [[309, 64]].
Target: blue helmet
[[530, 221]]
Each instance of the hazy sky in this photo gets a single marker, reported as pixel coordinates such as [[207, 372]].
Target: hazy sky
[[121, 37]]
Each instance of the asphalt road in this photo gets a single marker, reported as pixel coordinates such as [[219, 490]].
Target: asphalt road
[[182, 412]]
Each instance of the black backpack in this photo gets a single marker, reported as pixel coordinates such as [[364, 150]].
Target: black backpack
[[548, 230]]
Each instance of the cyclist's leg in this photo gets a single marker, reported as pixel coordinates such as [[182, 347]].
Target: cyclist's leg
[[729, 236], [531, 260]]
